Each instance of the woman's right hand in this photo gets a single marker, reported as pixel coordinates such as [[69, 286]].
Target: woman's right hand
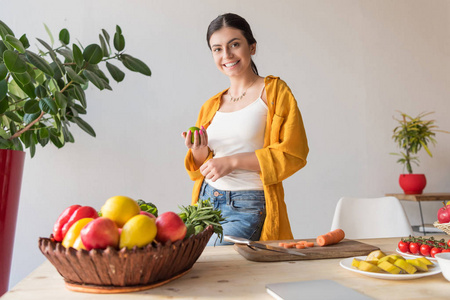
[[200, 139]]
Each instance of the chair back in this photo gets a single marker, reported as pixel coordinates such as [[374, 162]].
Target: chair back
[[362, 218]]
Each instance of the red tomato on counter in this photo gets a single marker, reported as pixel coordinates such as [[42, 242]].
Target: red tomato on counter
[[425, 250], [435, 251], [414, 248], [403, 246]]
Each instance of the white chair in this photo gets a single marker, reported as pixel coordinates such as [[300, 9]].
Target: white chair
[[362, 218]]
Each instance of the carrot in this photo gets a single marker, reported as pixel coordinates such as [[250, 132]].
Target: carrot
[[332, 237], [290, 245], [281, 244], [302, 242], [300, 246], [309, 244]]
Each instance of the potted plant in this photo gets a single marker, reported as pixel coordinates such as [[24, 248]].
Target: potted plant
[[42, 93], [413, 134]]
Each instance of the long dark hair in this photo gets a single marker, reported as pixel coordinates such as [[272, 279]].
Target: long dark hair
[[232, 21]]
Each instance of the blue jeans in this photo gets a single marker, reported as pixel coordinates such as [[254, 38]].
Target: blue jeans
[[244, 211]]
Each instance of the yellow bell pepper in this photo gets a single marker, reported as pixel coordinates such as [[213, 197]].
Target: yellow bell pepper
[[74, 233]]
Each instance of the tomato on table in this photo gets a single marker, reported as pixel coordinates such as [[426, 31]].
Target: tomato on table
[[414, 248], [403, 246], [434, 251], [425, 250]]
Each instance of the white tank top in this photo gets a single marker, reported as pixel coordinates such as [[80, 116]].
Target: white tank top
[[238, 132]]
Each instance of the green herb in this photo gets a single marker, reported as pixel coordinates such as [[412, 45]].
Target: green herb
[[148, 207], [198, 217]]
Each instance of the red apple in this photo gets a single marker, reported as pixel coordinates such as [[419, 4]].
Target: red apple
[[444, 214], [147, 214], [170, 227], [100, 233]]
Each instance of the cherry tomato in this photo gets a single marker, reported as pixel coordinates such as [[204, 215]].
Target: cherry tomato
[[403, 246], [448, 243], [435, 251], [446, 250], [414, 248], [425, 250]]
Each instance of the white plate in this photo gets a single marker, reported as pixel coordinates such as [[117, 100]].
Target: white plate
[[347, 264], [415, 256]]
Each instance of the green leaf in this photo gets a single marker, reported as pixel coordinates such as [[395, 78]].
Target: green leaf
[[55, 138], [13, 116], [80, 95], [115, 72], [3, 90], [64, 36], [66, 53], [24, 78], [135, 64], [28, 118], [4, 30], [4, 105], [93, 54], [106, 35], [94, 78], [48, 105], [31, 107], [74, 76], [5, 144], [83, 125], [118, 29], [103, 45], [3, 48], [79, 109], [3, 71], [61, 100], [77, 55], [68, 137], [119, 41], [15, 43], [52, 40], [43, 133], [27, 88], [57, 69], [49, 48], [14, 62], [40, 91], [24, 40]]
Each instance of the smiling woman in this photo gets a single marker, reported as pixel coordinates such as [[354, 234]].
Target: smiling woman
[[251, 138]]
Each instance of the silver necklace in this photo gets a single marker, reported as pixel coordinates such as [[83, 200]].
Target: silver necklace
[[243, 94]]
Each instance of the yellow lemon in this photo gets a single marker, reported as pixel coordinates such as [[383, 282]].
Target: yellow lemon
[[120, 209], [139, 231], [74, 232]]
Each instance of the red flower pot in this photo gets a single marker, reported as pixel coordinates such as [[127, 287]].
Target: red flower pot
[[11, 168], [412, 183]]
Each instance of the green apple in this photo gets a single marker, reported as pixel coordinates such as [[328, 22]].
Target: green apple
[[193, 129]]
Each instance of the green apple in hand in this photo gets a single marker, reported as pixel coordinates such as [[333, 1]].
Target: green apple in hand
[[193, 129]]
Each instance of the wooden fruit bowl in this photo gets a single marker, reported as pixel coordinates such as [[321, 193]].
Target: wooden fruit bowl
[[445, 227], [118, 271]]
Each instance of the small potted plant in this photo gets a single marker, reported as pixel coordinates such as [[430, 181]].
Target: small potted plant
[[412, 135], [42, 94]]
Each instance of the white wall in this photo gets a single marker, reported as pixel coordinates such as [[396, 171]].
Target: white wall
[[351, 65]]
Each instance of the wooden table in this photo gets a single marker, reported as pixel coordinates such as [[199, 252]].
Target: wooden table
[[222, 273], [420, 198]]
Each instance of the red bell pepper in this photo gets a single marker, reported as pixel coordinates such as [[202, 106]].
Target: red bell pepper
[[80, 213], [63, 218]]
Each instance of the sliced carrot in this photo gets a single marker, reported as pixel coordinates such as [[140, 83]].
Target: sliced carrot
[[290, 245], [300, 246], [332, 237], [302, 242], [309, 244], [281, 244]]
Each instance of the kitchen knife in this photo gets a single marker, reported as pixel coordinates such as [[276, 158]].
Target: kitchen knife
[[242, 241]]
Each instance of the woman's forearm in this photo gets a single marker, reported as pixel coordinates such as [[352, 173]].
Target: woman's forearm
[[200, 156]]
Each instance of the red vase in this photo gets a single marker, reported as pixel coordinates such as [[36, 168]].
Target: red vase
[[11, 168], [412, 183]]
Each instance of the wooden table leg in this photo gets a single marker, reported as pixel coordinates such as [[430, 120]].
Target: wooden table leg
[[421, 218]]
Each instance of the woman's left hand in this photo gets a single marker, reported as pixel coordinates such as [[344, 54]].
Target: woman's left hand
[[216, 168]]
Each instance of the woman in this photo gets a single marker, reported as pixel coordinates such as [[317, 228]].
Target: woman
[[251, 139]]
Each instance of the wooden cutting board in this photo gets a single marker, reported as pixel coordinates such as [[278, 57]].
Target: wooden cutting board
[[345, 248]]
